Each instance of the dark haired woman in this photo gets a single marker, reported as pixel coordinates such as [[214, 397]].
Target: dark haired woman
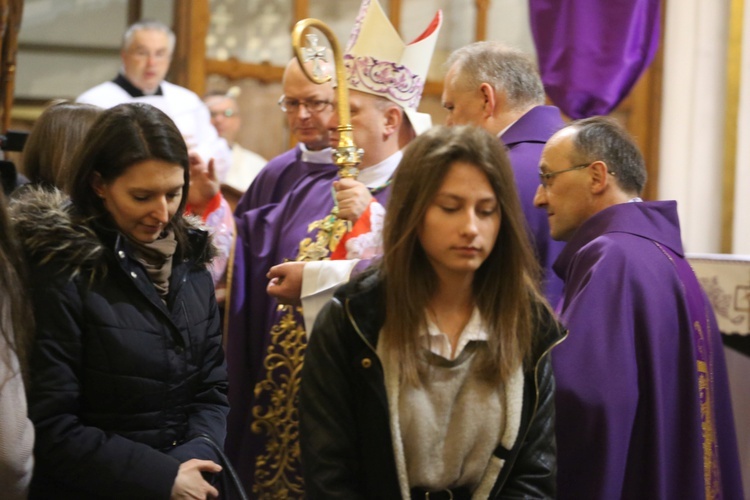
[[429, 377], [127, 371]]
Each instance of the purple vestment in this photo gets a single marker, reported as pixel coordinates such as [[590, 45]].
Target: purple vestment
[[265, 345], [525, 140], [274, 180], [592, 52], [643, 408]]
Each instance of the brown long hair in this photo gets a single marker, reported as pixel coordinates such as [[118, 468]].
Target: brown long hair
[[53, 141], [505, 286], [16, 320]]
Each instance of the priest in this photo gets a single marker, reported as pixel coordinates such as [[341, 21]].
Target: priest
[[498, 88], [642, 401]]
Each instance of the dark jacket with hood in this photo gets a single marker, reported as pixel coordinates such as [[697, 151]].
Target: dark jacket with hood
[[347, 446], [121, 383]]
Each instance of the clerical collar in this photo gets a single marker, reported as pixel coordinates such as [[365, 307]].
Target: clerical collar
[[379, 174], [132, 89], [322, 156]]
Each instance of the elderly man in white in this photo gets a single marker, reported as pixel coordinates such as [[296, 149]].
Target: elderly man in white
[[146, 54]]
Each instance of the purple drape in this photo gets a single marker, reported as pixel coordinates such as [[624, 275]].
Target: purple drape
[[592, 52]]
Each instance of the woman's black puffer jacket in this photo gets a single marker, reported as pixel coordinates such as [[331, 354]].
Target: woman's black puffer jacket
[[120, 382]]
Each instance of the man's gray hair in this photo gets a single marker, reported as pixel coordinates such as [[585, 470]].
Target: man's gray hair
[[505, 68], [600, 138], [150, 25]]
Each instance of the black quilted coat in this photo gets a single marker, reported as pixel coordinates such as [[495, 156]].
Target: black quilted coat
[[120, 382], [348, 453]]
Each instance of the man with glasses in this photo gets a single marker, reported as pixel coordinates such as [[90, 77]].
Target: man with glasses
[[642, 399], [146, 54], [225, 117], [499, 89], [307, 107], [286, 196]]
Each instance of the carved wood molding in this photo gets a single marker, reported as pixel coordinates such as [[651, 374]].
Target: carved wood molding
[[235, 69]]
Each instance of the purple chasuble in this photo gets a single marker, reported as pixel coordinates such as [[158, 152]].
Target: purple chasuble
[[643, 410], [525, 140], [265, 345], [592, 52], [275, 180]]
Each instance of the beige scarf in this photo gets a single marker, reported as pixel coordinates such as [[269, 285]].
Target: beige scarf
[[156, 258]]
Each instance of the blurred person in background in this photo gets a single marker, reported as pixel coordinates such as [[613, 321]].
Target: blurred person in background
[[225, 117], [16, 327]]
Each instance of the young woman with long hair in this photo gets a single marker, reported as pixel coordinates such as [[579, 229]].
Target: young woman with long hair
[[429, 376]]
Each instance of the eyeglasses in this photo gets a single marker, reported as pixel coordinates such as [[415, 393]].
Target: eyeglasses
[[227, 113], [159, 55], [289, 105], [544, 177]]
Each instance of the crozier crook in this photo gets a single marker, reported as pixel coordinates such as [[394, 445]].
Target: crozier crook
[[347, 155]]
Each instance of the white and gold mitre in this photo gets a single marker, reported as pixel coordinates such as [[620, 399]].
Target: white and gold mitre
[[379, 62]]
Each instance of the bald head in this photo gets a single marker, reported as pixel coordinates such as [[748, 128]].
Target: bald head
[[307, 115]]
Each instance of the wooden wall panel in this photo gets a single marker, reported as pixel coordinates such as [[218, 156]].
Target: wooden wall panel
[[640, 112], [189, 60]]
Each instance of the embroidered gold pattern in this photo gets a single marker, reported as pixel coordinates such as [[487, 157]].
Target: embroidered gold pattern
[[711, 473], [277, 472], [275, 416], [705, 369]]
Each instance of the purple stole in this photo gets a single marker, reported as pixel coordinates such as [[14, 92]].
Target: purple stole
[[704, 356]]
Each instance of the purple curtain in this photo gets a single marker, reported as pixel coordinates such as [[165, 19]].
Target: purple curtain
[[592, 52]]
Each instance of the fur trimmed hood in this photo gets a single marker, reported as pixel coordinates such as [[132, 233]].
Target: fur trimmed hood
[[47, 231]]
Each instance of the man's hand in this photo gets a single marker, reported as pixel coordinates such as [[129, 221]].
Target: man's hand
[[352, 198], [203, 182], [286, 282], [189, 483]]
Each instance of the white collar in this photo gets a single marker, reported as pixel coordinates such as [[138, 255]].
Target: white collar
[[378, 174], [438, 343], [322, 156]]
